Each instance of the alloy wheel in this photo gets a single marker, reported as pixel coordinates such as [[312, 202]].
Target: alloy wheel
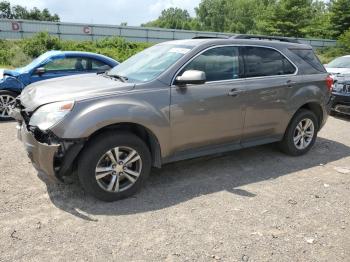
[[6, 103], [118, 169], [304, 133]]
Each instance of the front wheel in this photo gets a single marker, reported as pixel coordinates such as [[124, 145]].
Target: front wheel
[[7, 100], [301, 133], [114, 165]]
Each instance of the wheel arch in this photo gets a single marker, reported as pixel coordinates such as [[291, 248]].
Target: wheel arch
[[316, 109], [142, 132], [14, 91]]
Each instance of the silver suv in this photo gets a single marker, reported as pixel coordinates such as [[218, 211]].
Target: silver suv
[[173, 101]]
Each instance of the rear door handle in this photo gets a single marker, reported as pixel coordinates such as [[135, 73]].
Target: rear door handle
[[234, 92]]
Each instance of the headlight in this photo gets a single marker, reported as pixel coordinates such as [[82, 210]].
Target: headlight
[[50, 114]]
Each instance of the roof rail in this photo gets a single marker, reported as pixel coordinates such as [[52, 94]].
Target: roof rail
[[253, 37], [265, 37], [211, 37]]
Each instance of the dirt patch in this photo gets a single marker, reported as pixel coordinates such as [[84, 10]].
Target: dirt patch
[[250, 205]]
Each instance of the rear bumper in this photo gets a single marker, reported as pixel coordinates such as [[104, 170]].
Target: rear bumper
[[41, 155]]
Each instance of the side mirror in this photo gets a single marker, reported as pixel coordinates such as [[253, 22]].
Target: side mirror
[[40, 71], [193, 77]]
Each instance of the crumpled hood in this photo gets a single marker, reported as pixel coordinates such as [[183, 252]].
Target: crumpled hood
[[70, 88], [12, 72]]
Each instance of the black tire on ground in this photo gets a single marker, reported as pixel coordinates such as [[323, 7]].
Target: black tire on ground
[[6, 93], [96, 148], [287, 145]]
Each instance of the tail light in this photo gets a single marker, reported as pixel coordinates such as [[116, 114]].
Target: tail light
[[329, 83]]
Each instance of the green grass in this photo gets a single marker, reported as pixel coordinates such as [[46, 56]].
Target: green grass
[[16, 53]]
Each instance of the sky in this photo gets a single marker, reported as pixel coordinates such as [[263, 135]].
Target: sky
[[134, 12]]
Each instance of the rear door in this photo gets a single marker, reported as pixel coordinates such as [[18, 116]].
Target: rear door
[[211, 113], [270, 76]]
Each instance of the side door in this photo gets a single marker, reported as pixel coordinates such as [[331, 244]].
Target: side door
[[60, 66], [211, 113], [270, 77]]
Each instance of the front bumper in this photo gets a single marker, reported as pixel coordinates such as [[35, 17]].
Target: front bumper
[[341, 103], [49, 154], [42, 155]]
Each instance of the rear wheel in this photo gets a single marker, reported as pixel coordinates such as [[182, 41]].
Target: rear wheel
[[114, 166], [301, 133], [7, 100]]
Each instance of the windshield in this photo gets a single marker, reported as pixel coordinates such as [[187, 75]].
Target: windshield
[[150, 63], [341, 62]]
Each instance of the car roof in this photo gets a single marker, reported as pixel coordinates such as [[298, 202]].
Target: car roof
[[83, 54], [223, 41]]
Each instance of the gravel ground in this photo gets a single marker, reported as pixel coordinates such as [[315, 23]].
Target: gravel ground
[[251, 205]]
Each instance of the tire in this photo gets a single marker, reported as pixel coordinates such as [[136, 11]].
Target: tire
[[6, 99], [288, 145], [96, 162]]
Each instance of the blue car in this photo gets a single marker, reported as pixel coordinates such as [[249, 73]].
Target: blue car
[[49, 65]]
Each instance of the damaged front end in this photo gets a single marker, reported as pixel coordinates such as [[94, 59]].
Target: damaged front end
[[49, 154]]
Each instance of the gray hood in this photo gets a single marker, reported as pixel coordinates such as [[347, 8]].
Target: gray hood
[[70, 88]]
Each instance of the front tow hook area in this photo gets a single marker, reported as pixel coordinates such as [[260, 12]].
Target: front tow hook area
[[42, 155]]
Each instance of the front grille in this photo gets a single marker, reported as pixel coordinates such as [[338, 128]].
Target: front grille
[[26, 115], [342, 88], [45, 137]]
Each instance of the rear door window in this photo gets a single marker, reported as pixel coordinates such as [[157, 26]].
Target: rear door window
[[261, 61]]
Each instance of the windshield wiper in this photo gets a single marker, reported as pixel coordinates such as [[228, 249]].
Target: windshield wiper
[[119, 77]]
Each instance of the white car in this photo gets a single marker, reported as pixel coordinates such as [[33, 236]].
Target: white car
[[339, 66]]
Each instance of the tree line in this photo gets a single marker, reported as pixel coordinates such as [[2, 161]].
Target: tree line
[[20, 12], [291, 18], [328, 19]]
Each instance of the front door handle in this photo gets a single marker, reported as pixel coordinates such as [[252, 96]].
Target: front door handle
[[234, 92]]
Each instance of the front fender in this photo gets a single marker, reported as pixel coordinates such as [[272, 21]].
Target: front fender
[[11, 83], [150, 109]]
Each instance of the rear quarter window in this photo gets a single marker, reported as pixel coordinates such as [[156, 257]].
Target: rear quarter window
[[309, 57]]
